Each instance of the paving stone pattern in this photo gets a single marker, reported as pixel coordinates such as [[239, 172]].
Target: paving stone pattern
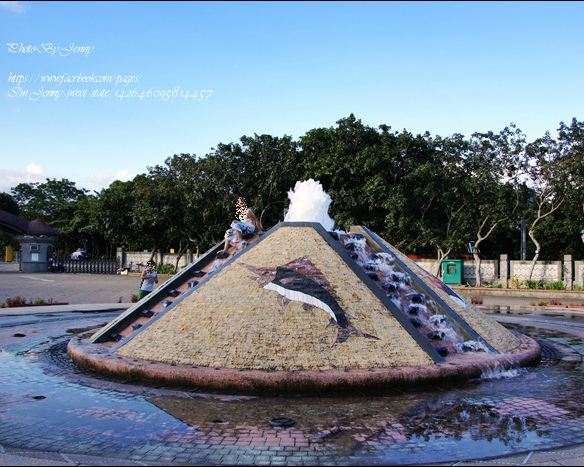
[[47, 405]]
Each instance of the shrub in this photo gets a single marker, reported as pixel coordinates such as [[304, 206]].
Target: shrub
[[166, 269], [134, 298], [555, 286], [16, 301], [20, 301], [553, 301], [476, 300], [515, 283], [542, 303], [578, 288], [534, 284]]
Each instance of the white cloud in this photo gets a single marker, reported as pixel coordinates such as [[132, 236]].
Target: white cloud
[[33, 170], [37, 173], [124, 175], [98, 181], [10, 178], [15, 7], [101, 179]]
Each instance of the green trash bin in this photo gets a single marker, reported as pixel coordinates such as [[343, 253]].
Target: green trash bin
[[452, 270]]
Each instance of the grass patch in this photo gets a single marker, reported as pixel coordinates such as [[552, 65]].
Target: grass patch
[[166, 269], [536, 285]]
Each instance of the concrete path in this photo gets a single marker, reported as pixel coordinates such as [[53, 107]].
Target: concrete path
[[73, 289]]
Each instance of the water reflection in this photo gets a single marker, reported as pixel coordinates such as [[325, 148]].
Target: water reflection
[[488, 417], [47, 403], [318, 421], [373, 422]]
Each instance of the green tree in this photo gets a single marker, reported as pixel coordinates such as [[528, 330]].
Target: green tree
[[9, 204], [494, 163], [548, 182], [570, 153], [54, 202], [166, 204], [263, 167], [114, 215], [86, 229], [443, 198], [271, 170], [46, 201], [343, 160]]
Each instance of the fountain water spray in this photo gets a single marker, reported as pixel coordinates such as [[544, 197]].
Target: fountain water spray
[[309, 203]]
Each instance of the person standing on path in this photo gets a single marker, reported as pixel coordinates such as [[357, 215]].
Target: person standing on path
[[149, 277]]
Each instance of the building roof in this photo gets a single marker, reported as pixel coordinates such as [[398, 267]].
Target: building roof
[[38, 227], [15, 224]]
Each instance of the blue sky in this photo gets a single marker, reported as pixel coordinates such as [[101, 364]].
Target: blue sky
[[273, 68]]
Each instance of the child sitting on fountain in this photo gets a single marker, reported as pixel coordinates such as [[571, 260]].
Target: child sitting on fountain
[[248, 224]]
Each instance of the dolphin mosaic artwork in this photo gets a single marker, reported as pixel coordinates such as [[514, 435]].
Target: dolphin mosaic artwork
[[300, 280]]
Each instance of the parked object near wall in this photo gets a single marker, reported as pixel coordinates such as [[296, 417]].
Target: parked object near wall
[[499, 273]]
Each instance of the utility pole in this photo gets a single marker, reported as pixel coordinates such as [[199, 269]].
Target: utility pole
[[523, 239]]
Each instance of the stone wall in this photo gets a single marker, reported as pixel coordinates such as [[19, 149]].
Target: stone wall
[[579, 273], [136, 260], [544, 271], [501, 271], [489, 271]]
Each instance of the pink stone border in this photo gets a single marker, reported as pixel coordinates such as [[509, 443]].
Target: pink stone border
[[455, 368]]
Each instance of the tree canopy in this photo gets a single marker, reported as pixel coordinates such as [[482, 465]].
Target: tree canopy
[[425, 194]]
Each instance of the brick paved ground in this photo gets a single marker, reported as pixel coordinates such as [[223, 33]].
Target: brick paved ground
[[54, 414]]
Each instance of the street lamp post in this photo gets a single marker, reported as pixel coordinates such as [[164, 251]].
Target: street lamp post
[[523, 239]]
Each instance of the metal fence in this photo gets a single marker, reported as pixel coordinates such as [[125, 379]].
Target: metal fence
[[85, 266]]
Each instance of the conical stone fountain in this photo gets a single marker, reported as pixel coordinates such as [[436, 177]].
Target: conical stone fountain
[[304, 308]]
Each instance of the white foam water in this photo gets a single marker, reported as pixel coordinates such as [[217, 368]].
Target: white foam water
[[215, 265], [359, 245], [458, 300], [437, 320], [450, 334], [499, 373], [471, 346], [309, 203], [386, 258]]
